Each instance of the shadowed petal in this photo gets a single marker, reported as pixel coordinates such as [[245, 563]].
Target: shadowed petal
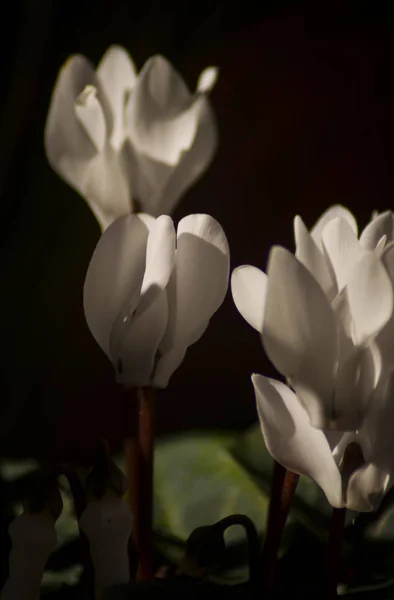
[[197, 286], [385, 337], [313, 258], [336, 211], [160, 122], [300, 332], [381, 225], [114, 276], [192, 163], [90, 114], [366, 488], [105, 187], [134, 354], [292, 441], [201, 275], [370, 296], [117, 75], [342, 248], [68, 146], [249, 289]]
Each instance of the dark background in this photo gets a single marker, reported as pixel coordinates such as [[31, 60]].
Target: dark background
[[305, 106]]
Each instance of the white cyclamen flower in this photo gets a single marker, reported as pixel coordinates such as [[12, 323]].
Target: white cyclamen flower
[[117, 137], [326, 315], [357, 480], [149, 292]]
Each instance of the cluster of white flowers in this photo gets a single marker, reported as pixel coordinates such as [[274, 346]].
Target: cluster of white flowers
[[118, 137], [326, 319], [325, 313]]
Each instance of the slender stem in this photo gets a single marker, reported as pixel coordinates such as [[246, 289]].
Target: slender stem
[[132, 460], [147, 418], [284, 484], [253, 542], [334, 551]]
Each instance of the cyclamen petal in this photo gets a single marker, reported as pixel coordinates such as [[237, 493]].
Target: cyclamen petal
[[114, 276], [146, 301], [192, 164], [68, 147], [207, 80], [300, 332], [90, 114], [343, 249], [366, 487], [291, 439], [111, 133], [118, 76], [370, 295], [334, 212], [311, 256], [201, 276], [249, 290], [381, 225]]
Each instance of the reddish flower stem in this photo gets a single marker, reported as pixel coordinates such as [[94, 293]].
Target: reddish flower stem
[[284, 484], [139, 451], [132, 461], [334, 551], [147, 419]]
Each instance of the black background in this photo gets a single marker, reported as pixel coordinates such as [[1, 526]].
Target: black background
[[305, 106]]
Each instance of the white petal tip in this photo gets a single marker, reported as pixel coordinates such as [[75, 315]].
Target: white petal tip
[[207, 80]]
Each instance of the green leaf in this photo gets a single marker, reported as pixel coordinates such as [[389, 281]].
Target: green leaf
[[198, 482]]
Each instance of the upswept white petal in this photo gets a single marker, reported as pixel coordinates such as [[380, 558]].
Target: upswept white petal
[[334, 212], [249, 290], [343, 249], [354, 385], [117, 75], [376, 436], [159, 264], [134, 354], [201, 275], [346, 330], [370, 296], [300, 332], [105, 187], [114, 276], [207, 80], [380, 246], [313, 258], [366, 487], [381, 225], [161, 123], [68, 147], [160, 258], [90, 114], [385, 337], [192, 164], [291, 439]]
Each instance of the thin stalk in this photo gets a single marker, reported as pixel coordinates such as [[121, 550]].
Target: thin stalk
[[139, 451], [132, 461], [284, 484], [147, 421], [334, 551]]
